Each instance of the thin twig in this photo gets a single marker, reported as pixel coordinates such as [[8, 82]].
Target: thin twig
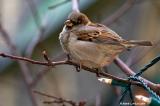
[[24, 59], [46, 57], [56, 99]]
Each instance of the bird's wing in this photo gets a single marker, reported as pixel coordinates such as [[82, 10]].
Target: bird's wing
[[97, 33]]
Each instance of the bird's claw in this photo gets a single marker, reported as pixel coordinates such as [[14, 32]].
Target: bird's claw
[[78, 68], [98, 72], [68, 57]]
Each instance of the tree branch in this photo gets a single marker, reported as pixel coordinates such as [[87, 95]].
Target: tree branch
[[69, 63]]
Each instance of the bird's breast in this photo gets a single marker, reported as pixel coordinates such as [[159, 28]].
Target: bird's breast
[[64, 40], [85, 52]]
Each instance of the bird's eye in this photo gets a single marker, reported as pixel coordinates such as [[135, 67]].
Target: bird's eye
[[79, 21], [74, 22]]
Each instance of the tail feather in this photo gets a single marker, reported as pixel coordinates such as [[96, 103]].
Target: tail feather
[[133, 43], [140, 43]]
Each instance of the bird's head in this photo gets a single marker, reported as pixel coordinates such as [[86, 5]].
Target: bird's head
[[76, 18]]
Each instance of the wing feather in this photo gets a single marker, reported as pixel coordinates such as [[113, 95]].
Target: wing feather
[[97, 33]]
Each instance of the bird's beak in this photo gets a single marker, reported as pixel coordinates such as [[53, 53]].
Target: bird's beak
[[68, 23]]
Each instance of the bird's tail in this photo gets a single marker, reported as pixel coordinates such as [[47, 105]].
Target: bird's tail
[[140, 43], [133, 43]]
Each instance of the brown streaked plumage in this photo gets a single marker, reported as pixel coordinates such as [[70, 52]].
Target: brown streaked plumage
[[91, 44]]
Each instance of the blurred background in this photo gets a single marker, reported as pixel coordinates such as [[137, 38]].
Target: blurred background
[[34, 26]]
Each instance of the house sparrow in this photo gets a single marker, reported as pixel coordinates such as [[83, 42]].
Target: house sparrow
[[91, 44]]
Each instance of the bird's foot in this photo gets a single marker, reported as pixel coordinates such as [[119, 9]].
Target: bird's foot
[[68, 57], [79, 67], [98, 70], [97, 74]]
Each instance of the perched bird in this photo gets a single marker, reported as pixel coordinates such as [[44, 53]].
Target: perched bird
[[91, 44]]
